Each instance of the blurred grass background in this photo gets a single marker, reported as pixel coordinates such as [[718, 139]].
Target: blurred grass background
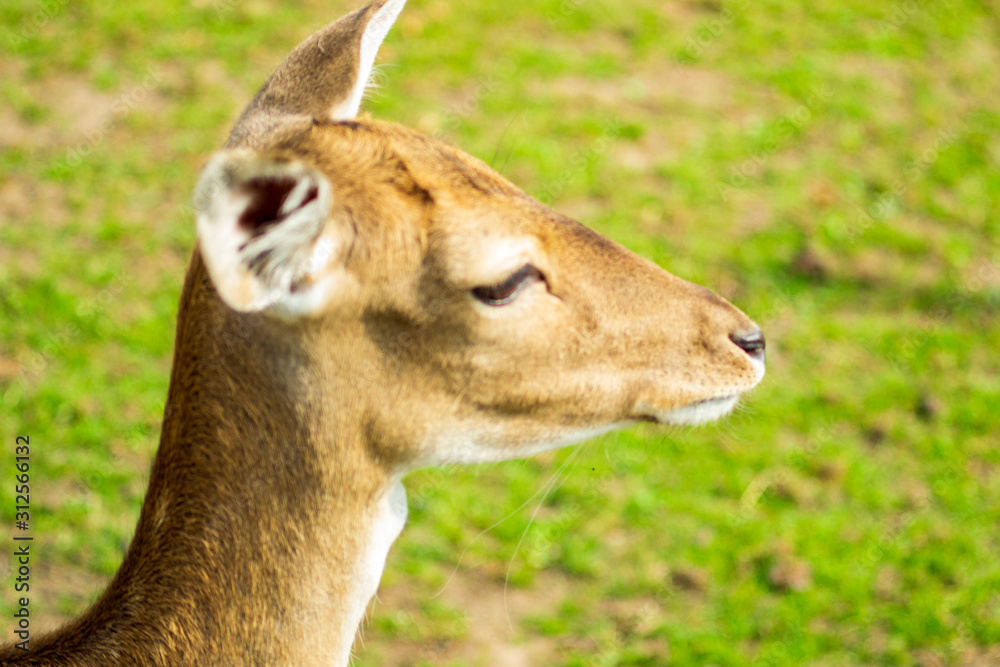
[[831, 167]]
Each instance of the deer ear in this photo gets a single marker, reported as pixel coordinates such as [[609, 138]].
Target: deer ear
[[262, 231], [324, 77]]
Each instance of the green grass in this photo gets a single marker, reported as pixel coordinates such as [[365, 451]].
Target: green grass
[[831, 167]]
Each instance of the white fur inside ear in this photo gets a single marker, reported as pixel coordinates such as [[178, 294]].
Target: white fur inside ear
[[371, 40], [259, 227]]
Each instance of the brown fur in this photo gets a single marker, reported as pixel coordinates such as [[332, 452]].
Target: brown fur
[[280, 435]]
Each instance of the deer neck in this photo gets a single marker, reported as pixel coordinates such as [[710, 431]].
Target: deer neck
[[267, 521]]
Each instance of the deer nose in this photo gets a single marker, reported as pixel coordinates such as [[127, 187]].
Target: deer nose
[[752, 343]]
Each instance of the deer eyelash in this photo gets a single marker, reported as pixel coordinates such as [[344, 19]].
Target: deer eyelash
[[506, 291]]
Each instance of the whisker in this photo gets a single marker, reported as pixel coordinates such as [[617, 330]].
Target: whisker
[[494, 525], [507, 159], [500, 143], [547, 489]]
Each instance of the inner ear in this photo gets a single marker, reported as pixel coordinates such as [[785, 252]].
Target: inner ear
[[260, 219], [271, 199]]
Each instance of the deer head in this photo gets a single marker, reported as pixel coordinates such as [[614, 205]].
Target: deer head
[[474, 323]]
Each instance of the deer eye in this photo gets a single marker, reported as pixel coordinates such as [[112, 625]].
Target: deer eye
[[504, 292]]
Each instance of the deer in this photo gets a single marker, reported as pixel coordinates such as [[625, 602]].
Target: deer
[[362, 301]]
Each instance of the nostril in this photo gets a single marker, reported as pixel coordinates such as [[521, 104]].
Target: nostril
[[752, 343]]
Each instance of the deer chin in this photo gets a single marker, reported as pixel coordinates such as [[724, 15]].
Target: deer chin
[[692, 414], [700, 412], [469, 443]]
